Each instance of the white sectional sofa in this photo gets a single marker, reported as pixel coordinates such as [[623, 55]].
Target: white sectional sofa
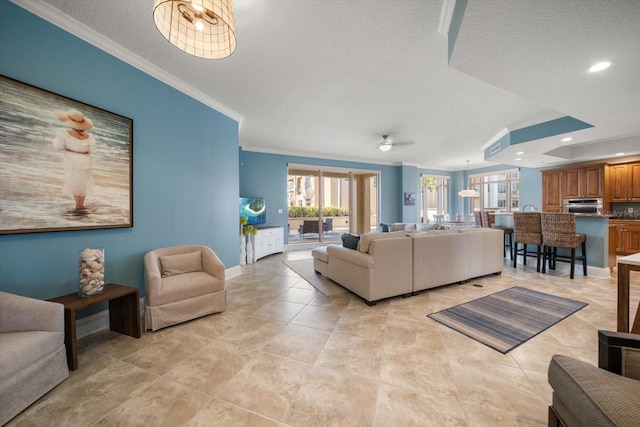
[[400, 263]]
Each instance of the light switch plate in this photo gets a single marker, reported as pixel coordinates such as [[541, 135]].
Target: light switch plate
[[279, 211]]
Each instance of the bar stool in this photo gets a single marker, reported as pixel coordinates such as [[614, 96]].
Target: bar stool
[[559, 231], [528, 231], [488, 222], [477, 217]]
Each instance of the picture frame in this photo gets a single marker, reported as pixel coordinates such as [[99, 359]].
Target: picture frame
[[409, 198], [64, 165]]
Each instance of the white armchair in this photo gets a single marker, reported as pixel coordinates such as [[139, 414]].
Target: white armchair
[[182, 283], [33, 359]]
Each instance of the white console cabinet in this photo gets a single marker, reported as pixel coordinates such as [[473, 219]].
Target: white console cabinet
[[269, 240]]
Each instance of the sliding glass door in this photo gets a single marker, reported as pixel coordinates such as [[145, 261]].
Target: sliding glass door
[[324, 203]]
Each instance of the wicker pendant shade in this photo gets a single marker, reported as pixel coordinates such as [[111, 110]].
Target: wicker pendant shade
[[203, 28]]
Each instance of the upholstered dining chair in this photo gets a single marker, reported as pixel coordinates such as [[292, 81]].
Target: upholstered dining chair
[[182, 283], [559, 231], [527, 230]]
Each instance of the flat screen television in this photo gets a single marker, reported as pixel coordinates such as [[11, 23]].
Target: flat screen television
[[255, 209]]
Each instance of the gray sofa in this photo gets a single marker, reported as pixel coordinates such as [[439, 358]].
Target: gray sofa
[[608, 395], [33, 358]]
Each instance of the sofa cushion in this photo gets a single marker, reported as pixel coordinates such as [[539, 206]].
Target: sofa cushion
[[384, 228], [367, 238], [22, 349], [182, 263], [350, 241], [356, 258], [426, 227], [397, 227]]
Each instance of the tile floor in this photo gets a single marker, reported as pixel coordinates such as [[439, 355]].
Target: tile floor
[[284, 355]]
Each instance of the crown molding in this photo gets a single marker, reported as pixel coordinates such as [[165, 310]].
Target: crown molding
[[446, 14], [70, 25]]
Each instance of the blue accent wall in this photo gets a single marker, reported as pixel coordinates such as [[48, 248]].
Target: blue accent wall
[[410, 184], [185, 162]]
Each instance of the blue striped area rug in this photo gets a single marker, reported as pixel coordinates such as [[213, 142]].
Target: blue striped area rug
[[508, 318]]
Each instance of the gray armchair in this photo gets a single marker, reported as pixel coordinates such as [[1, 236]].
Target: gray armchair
[[608, 395], [33, 359], [182, 283]]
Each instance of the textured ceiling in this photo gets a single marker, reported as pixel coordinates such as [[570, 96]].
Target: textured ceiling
[[328, 78]]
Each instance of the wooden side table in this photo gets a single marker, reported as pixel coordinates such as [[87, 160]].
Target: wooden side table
[[124, 314], [625, 266]]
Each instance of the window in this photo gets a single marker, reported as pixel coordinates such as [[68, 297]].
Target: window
[[435, 196], [499, 190]]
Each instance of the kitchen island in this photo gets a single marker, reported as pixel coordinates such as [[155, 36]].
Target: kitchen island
[[595, 227]]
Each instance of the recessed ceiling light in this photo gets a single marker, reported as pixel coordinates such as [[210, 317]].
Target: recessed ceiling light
[[619, 154], [567, 139], [519, 153], [600, 66], [518, 159]]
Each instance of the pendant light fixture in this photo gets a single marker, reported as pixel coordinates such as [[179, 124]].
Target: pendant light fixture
[[203, 28], [468, 192]]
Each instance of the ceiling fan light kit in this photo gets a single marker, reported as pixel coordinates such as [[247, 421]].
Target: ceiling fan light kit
[[387, 143], [202, 28]]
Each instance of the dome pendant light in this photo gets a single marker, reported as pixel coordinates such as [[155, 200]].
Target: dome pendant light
[[203, 28], [468, 192]]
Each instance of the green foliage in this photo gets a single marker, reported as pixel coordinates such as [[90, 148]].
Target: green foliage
[[312, 211], [249, 229]]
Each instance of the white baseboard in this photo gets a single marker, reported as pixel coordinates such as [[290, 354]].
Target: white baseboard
[[233, 272], [99, 322]]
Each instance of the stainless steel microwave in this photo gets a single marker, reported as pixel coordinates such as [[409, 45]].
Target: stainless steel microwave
[[593, 206]]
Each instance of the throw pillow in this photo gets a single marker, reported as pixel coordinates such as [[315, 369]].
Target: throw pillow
[[350, 241], [180, 264], [384, 228], [396, 227]]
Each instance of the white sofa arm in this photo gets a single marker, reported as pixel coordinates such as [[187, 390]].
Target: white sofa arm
[[21, 314]]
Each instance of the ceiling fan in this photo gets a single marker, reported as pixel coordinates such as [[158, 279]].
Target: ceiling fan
[[387, 143]]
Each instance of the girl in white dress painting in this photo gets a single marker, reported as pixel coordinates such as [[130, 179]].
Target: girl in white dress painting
[[78, 145]]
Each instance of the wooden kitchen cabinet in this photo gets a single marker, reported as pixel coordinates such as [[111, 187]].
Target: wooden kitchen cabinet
[[632, 242], [624, 182], [628, 236], [552, 190], [582, 182]]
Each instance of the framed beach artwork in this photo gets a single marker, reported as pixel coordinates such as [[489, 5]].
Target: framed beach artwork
[[64, 165]]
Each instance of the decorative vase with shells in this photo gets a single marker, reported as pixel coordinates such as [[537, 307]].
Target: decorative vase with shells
[[91, 274]]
